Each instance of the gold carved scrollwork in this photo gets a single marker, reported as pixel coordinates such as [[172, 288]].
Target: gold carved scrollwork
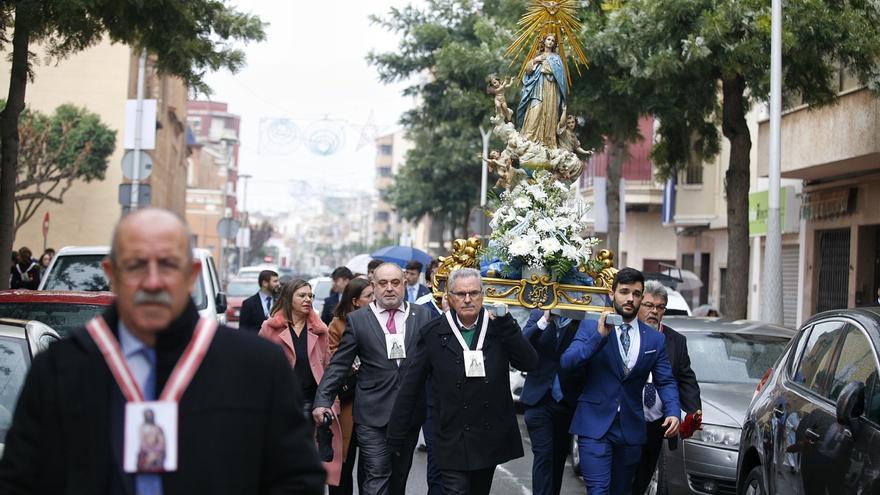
[[584, 299], [605, 276], [464, 255], [493, 292], [538, 295]]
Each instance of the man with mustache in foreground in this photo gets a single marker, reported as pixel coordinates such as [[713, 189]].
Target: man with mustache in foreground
[[233, 403], [615, 362]]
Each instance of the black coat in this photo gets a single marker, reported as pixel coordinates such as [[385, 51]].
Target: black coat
[[241, 427], [252, 313], [18, 272], [329, 305], [688, 388], [475, 425]]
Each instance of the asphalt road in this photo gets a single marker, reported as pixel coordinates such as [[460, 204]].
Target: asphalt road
[[511, 478]]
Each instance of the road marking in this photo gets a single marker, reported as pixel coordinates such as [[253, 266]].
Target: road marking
[[509, 474]]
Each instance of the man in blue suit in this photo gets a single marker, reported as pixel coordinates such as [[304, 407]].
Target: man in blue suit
[[615, 362], [550, 397]]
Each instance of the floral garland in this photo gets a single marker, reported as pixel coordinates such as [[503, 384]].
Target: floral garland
[[538, 224]]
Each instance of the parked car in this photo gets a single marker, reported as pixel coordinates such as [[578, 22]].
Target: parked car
[[321, 289], [253, 272], [729, 359], [237, 290], [20, 341], [76, 268], [61, 310], [814, 423]]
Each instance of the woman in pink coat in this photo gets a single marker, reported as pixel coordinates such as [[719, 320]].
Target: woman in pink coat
[[295, 326]]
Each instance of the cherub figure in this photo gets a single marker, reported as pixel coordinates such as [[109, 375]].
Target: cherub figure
[[496, 88], [566, 137], [507, 167]]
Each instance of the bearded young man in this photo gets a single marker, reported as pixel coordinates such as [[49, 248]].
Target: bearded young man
[[615, 362]]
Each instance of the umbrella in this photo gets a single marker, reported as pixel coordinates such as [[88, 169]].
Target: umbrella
[[688, 280], [359, 263], [402, 255]]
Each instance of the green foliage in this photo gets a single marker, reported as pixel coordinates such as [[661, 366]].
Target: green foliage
[[189, 37], [72, 129], [449, 47]]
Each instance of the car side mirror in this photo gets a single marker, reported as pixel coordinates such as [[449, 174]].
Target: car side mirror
[[851, 403], [220, 302]]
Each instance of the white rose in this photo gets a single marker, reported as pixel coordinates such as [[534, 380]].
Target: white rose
[[546, 225], [521, 202], [570, 252], [550, 245], [520, 247]]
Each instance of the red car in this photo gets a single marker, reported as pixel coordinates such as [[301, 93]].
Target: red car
[[61, 310], [237, 291]]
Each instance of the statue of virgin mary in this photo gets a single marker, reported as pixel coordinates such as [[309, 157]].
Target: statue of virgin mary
[[543, 95]]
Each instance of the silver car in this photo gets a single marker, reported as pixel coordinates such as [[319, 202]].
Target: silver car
[[729, 359]]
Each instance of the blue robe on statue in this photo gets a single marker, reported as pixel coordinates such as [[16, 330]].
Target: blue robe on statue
[[532, 87]]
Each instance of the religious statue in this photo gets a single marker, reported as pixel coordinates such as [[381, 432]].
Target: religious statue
[[496, 88], [566, 135], [507, 167], [543, 94]]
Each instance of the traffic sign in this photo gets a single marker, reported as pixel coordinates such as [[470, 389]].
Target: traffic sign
[[144, 170], [227, 228], [145, 194], [46, 224]]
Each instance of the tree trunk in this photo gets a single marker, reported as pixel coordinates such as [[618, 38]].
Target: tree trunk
[[18, 78], [612, 196], [736, 130]]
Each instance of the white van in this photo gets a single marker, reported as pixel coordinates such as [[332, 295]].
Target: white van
[[79, 268]]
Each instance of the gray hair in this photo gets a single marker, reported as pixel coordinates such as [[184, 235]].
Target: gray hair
[[655, 289], [462, 273]]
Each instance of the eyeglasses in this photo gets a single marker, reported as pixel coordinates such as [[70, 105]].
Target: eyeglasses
[[465, 294], [651, 307], [384, 283], [305, 296]]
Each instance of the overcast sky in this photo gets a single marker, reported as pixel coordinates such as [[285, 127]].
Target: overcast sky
[[311, 71]]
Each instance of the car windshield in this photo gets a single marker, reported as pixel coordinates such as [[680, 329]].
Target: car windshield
[[62, 317], [733, 358], [84, 272], [14, 362], [241, 289], [80, 272]]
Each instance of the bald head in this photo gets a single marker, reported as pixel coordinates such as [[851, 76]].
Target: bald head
[[149, 220]]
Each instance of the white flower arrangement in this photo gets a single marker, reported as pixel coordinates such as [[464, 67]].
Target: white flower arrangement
[[538, 224]]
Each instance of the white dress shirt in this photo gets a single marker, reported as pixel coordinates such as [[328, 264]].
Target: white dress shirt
[[630, 358], [399, 317]]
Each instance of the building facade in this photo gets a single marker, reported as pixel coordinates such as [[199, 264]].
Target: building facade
[[834, 151], [101, 79]]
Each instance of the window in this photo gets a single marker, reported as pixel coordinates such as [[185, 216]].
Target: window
[[383, 216], [857, 364], [693, 173], [14, 361], [384, 171], [815, 357], [385, 149]]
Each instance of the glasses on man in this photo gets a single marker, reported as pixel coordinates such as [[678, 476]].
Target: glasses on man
[[473, 294], [651, 307]]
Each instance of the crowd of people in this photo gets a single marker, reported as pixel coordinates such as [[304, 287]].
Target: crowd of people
[[27, 272], [288, 412]]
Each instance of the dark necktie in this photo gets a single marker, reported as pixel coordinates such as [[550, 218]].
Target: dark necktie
[[650, 395]]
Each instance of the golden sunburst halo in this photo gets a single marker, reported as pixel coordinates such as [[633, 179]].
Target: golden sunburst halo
[[543, 17]]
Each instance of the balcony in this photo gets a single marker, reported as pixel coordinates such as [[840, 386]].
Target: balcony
[[832, 141]]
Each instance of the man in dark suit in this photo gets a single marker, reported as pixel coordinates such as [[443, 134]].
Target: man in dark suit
[[68, 430], [651, 312], [414, 289], [475, 426], [370, 334], [550, 398], [341, 277], [255, 309], [615, 362]]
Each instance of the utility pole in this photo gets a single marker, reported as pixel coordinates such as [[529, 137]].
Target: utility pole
[[243, 213], [138, 131], [772, 284]]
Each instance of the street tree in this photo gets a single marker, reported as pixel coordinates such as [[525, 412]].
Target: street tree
[[55, 151], [260, 235], [187, 37], [448, 48], [710, 59]]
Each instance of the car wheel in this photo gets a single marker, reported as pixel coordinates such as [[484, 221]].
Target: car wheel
[[754, 484], [575, 456]]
